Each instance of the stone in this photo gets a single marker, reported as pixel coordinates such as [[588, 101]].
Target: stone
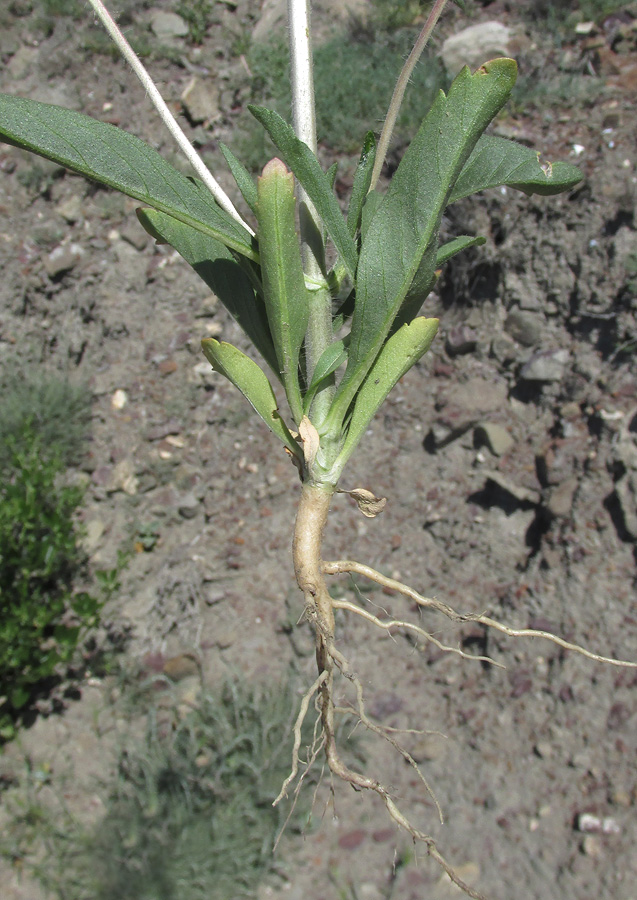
[[475, 45], [461, 339], [185, 665], [548, 365], [560, 502], [201, 100], [524, 327], [273, 18], [71, 209], [626, 494], [188, 506], [517, 491], [119, 399], [496, 437], [62, 259], [22, 63], [167, 25], [94, 529]]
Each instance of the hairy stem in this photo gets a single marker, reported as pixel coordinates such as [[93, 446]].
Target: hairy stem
[[167, 117], [401, 86]]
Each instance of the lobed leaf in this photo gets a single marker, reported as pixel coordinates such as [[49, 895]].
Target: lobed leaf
[[300, 159], [407, 220], [496, 161], [119, 160], [216, 265], [285, 294], [253, 383]]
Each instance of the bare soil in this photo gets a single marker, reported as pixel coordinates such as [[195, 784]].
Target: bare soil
[[534, 521]]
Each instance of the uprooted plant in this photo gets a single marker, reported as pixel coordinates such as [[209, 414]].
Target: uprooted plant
[[337, 336]]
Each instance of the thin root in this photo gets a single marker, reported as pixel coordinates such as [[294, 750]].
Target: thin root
[[344, 667], [409, 626], [298, 725], [342, 566]]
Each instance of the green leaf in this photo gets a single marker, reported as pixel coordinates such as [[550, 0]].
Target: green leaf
[[407, 221], [457, 245], [300, 159], [370, 207], [497, 161], [253, 383], [286, 299], [221, 272], [119, 160], [331, 359], [241, 175], [399, 354], [362, 181]]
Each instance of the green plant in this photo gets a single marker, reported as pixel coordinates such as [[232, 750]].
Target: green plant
[[198, 16], [338, 335], [38, 402], [41, 617], [188, 809]]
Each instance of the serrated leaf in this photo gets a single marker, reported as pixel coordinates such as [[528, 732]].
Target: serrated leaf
[[253, 383], [300, 159], [400, 353], [285, 295], [362, 181], [331, 358], [216, 265], [242, 177], [496, 161], [457, 245], [119, 160], [407, 221]]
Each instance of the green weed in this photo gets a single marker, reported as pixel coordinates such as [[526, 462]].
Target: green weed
[[198, 16]]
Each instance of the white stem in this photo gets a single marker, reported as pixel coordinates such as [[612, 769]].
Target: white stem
[[167, 117]]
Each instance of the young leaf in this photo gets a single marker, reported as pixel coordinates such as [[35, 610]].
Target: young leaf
[[407, 221], [400, 353], [496, 161], [241, 175], [119, 160], [253, 383], [285, 295], [216, 265], [306, 168], [333, 357], [362, 181], [457, 245]]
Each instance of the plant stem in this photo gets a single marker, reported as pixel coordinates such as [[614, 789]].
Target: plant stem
[[167, 117], [401, 86], [319, 333]]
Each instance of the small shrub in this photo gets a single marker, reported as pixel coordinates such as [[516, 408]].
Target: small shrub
[[40, 616]]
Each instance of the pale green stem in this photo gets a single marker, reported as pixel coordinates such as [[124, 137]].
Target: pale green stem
[[401, 86], [167, 117], [319, 333]]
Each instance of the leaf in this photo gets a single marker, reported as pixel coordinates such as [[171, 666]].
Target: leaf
[[362, 181], [119, 160], [241, 175], [253, 383], [407, 221], [457, 245], [370, 207], [284, 291], [331, 358], [216, 265], [300, 159], [399, 354], [497, 161]]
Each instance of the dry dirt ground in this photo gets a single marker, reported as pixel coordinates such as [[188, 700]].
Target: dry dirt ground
[[533, 520]]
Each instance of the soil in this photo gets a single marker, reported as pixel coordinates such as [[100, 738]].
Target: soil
[[508, 457]]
